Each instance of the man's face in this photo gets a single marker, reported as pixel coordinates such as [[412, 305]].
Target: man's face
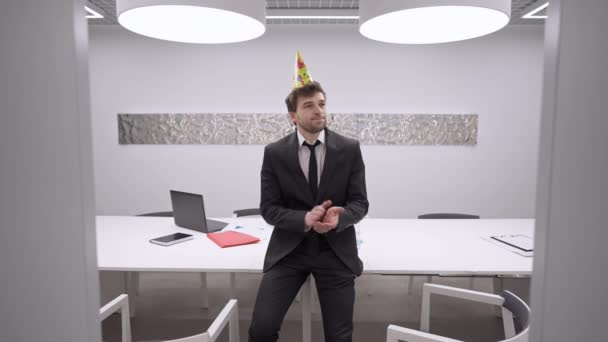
[[310, 115]]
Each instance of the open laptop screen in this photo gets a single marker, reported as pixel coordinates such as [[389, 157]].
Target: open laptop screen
[[189, 212]]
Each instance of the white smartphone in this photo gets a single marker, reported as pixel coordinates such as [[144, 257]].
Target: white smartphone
[[171, 239]]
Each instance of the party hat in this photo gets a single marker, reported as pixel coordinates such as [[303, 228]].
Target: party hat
[[301, 76]]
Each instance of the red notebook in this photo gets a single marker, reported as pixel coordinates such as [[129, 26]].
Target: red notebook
[[231, 238]]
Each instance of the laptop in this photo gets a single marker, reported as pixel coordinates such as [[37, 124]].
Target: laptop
[[189, 212]]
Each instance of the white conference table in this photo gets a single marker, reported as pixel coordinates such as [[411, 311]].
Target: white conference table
[[442, 247], [387, 246]]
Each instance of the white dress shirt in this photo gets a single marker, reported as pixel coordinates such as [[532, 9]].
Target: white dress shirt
[[304, 154]]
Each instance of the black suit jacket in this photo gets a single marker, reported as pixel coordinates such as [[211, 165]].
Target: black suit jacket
[[286, 196]]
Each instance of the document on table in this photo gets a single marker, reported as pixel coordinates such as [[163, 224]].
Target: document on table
[[516, 243], [259, 231]]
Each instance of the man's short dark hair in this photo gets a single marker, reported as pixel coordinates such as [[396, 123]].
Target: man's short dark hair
[[308, 90]]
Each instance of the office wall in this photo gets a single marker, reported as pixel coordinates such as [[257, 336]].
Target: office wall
[[497, 77]]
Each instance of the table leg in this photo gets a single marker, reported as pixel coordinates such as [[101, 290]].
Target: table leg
[[134, 282], [129, 278], [233, 285], [497, 287], [204, 291]]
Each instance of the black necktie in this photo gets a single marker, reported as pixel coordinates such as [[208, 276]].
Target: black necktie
[[312, 168]]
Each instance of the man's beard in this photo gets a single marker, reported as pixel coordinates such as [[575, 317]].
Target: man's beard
[[314, 129]]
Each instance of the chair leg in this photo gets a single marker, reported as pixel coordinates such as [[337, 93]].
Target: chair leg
[[125, 323], [233, 326], [204, 291]]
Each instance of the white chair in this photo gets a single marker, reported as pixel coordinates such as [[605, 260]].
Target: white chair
[[514, 310], [228, 316], [120, 303]]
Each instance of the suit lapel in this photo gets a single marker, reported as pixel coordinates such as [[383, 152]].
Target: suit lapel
[[331, 159]]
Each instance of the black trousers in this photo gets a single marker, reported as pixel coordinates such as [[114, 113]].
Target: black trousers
[[335, 287]]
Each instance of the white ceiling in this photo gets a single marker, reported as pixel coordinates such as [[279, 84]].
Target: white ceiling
[[518, 9]]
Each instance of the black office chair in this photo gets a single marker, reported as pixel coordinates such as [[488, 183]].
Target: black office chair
[[247, 212], [447, 216], [434, 216], [159, 214]]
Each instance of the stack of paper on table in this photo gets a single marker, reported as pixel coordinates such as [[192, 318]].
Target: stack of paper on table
[[517, 243], [258, 230]]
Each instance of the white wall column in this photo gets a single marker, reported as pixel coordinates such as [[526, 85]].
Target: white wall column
[[48, 272], [569, 285]]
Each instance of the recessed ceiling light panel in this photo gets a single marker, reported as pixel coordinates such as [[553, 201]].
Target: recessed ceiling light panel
[[92, 13], [533, 14], [194, 21], [431, 21]]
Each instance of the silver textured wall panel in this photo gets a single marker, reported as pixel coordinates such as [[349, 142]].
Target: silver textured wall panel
[[345, 124], [417, 129], [169, 129], [261, 129]]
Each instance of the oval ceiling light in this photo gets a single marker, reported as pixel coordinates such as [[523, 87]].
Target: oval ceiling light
[[194, 21], [431, 21]]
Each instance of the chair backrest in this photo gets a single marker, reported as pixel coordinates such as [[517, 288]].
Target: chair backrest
[[120, 303], [447, 216], [246, 212], [515, 313], [228, 316], [521, 316], [159, 214]]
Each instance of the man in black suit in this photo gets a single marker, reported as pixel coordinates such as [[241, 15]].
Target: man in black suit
[[313, 219]]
